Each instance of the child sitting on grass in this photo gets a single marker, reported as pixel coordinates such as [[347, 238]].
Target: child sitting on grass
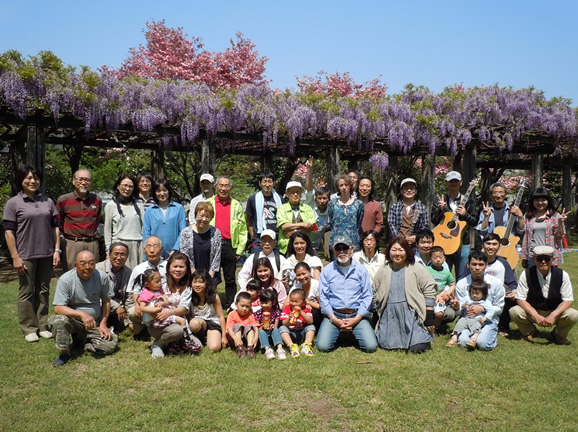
[[446, 284], [472, 325], [268, 318], [242, 327], [297, 324]]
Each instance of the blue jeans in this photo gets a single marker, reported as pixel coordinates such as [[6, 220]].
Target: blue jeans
[[487, 340], [264, 337], [297, 336], [363, 333], [459, 260]]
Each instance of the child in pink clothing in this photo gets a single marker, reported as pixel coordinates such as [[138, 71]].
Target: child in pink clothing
[[153, 299]]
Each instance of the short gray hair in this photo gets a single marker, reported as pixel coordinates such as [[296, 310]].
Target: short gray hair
[[225, 177]]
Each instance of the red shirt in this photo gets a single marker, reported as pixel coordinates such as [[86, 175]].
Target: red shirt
[[223, 217]]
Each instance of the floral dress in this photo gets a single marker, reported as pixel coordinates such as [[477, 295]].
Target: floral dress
[[346, 220]]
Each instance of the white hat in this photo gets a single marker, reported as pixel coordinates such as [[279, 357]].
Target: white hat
[[293, 184], [208, 177], [544, 250], [268, 232], [407, 180], [453, 175]]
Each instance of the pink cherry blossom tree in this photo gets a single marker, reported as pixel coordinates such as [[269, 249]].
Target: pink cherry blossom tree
[[170, 54]]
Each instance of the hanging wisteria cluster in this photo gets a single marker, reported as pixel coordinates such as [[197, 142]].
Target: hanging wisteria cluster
[[493, 115]]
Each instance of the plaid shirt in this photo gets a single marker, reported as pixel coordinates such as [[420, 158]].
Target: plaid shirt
[[395, 216], [551, 238]]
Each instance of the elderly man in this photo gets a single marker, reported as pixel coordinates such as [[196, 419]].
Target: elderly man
[[277, 260], [497, 214], [544, 298], [488, 338], [229, 218], [293, 215], [78, 311], [153, 249], [78, 216], [118, 275], [207, 191], [345, 297]]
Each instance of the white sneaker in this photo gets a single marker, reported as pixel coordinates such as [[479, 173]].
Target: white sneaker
[[281, 353], [269, 354], [45, 334], [31, 337], [157, 350]]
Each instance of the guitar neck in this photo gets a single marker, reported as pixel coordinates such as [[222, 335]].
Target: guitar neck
[[517, 202]]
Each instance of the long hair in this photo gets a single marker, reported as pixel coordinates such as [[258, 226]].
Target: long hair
[[300, 234], [409, 256], [186, 279], [210, 288], [263, 261]]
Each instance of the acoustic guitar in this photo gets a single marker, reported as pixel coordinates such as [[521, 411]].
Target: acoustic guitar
[[448, 234], [509, 241]]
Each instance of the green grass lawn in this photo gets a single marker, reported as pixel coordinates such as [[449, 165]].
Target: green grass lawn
[[518, 386]]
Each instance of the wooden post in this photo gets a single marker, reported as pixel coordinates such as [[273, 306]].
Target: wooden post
[[158, 164], [537, 170], [567, 203], [469, 166], [267, 162], [427, 188], [332, 167], [35, 149], [207, 157]]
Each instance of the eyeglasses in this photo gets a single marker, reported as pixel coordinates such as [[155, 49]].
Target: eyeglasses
[[83, 180], [126, 186], [546, 258]]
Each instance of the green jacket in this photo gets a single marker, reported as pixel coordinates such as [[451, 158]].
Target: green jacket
[[239, 231], [285, 215]]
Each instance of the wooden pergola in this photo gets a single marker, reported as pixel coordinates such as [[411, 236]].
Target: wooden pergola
[[534, 153]]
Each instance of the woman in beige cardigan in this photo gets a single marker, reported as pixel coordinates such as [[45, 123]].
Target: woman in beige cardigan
[[404, 294]]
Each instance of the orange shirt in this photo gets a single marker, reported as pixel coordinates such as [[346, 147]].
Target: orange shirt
[[234, 318]]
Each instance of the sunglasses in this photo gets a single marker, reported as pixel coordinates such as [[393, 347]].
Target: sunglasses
[[541, 258], [342, 248]]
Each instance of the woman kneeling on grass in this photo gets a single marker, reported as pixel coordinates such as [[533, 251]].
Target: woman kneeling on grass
[[404, 294], [178, 292], [208, 322]]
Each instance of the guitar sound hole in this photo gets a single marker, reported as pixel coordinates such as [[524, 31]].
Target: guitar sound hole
[[451, 225], [504, 242]]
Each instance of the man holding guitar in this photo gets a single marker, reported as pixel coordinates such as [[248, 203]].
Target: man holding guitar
[[408, 216], [466, 212], [498, 214]]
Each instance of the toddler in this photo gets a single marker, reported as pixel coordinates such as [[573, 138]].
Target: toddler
[[297, 324], [268, 318], [152, 300], [242, 327], [445, 281], [472, 325]]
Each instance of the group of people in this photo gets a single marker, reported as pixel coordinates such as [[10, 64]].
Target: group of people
[[161, 274]]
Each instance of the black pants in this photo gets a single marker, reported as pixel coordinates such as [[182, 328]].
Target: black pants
[[229, 266]]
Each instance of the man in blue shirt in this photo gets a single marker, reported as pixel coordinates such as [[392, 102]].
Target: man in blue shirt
[[345, 296]]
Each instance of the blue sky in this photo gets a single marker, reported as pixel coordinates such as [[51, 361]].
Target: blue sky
[[432, 43]]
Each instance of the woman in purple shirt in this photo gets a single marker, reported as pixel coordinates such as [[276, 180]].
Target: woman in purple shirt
[[31, 229]]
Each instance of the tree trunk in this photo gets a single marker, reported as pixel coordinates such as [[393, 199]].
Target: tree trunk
[[427, 189], [332, 167]]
